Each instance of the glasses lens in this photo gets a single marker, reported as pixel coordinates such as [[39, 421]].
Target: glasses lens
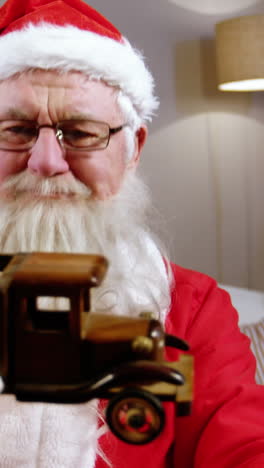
[[85, 134], [17, 135]]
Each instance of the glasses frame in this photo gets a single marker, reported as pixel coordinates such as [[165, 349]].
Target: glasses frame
[[60, 137]]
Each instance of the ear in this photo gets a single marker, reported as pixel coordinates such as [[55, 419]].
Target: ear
[[140, 139]]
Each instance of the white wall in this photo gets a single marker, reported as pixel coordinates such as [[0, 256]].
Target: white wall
[[201, 171]]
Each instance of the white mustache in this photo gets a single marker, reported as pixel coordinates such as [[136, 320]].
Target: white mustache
[[29, 184]]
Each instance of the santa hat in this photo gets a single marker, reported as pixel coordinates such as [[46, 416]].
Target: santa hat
[[71, 35]]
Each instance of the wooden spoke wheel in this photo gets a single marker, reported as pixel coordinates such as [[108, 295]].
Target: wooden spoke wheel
[[135, 416]]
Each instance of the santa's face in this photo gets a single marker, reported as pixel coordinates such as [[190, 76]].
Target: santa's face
[[48, 98], [93, 203]]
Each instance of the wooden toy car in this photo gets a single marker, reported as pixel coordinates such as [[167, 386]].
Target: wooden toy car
[[73, 355]]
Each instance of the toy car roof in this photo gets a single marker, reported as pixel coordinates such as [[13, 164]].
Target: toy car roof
[[58, 269]]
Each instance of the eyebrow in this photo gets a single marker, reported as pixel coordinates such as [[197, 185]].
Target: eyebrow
[[18, 114], [13, 113], [81, 116]]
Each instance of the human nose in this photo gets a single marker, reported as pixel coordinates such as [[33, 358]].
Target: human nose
[[47, 155]]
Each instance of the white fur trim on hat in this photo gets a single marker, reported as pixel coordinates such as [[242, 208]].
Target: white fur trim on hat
[[47, 46]]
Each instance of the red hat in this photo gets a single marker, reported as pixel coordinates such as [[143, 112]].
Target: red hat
[[71, 35]]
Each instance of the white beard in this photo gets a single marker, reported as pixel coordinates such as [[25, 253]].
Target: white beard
[[34, 218]]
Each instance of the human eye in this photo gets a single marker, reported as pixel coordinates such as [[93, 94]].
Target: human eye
[[77, 134], [81, 134], [16, 131]]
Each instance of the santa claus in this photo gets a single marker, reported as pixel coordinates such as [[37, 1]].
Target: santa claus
[[74, 101]]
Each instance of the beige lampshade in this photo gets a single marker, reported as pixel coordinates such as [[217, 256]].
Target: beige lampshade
[[240, 54]]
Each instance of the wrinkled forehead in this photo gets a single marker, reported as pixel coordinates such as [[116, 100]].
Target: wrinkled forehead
[[69, 91], [57, 78]]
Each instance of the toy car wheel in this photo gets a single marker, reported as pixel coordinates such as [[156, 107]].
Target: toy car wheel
[[135, 416]]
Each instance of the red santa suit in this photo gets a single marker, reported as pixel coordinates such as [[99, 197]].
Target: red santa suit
[[226, 428]]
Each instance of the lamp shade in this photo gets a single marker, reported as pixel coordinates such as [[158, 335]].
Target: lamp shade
[[240, 54]]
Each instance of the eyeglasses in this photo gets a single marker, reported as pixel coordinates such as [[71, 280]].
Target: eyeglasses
[[77, 135]]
